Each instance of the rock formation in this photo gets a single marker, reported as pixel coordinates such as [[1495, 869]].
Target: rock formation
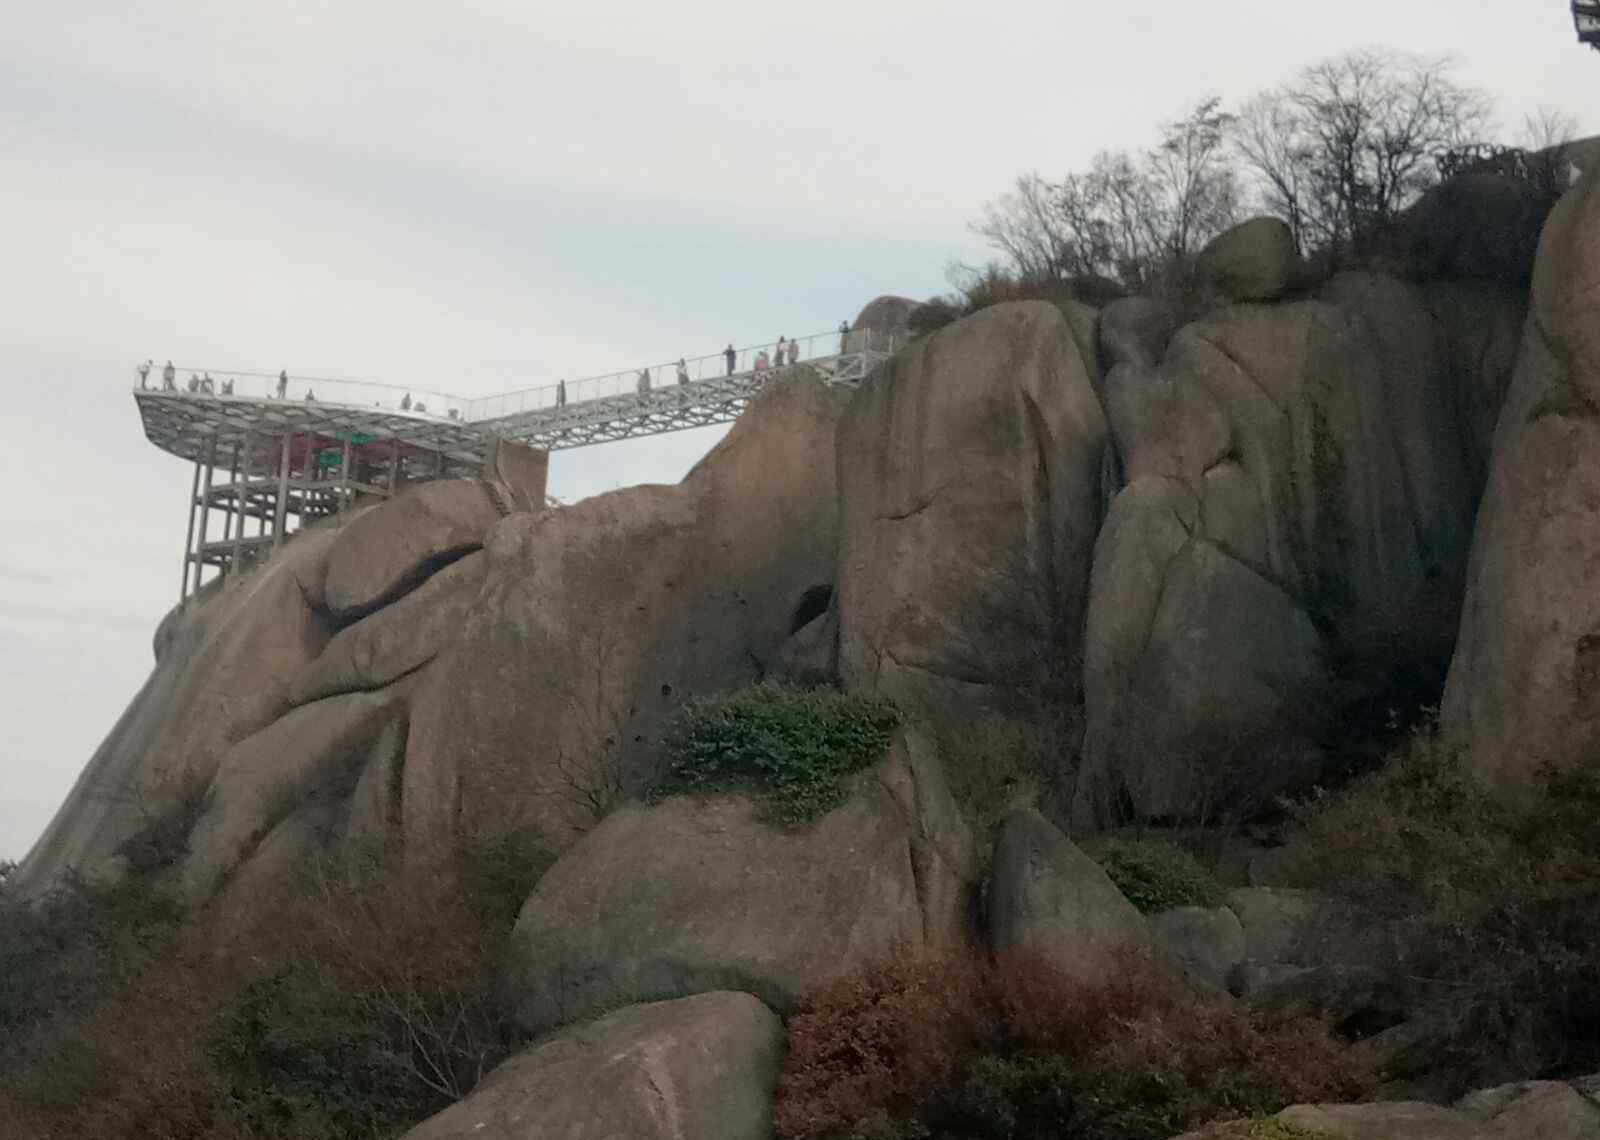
[[1522, 690], [969, 476]]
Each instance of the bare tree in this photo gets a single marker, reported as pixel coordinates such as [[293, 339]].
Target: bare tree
[[1127, 214], [1352, 141]]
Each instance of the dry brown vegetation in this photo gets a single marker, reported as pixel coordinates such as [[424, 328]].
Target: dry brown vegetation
[[1496, 912], [367, 1000], [948, 1045]]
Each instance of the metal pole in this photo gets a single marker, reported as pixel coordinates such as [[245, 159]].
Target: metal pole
[[344, 472], [243, 491], [282, 507], [205, 514], [394, 467], [188, 539]]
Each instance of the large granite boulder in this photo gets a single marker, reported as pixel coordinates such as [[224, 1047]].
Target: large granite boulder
[[888, 318], [1301, 489], [595, 621], [1254, 261], [226, 664], [699, 1068], [1522, 690], [315, 753], [396, 640], [695, 894], [1049, 899], [397, 545], [969, 475]]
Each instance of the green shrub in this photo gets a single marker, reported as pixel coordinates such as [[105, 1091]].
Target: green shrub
[[792, 747], [294, 1054], [1156, 876]]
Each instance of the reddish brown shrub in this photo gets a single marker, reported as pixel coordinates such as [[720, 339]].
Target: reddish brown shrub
[[888, 1036], [947, 1045]]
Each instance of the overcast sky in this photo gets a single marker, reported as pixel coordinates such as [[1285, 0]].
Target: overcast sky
[[484, 196]]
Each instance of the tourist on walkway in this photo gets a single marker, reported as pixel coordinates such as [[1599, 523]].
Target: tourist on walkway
[[144, 374], [844, 335], [644, 381], [169, 378], [683, 371], [194, 381], [207, 386], [405, 402], [777, 356], [761, 361], [311, 397], [561, 393], [283, 383], [794, 352], [227, 387], [732, 357]]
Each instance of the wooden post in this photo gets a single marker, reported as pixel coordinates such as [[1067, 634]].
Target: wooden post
[[205, 513], [282, 507], [188, 539]]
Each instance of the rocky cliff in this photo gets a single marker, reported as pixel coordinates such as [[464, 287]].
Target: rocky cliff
[[1110, 564]]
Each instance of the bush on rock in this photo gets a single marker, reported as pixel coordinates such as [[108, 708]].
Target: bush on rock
[[1156, 876], [792, 747]]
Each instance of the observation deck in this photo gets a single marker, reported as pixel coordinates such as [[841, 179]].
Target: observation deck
[[293, 448]]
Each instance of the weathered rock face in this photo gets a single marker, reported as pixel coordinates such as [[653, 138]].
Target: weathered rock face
[[1136, 330], [700, 1068], [1522, 688], [225, 668], [969, 471], [888, 318], [390, 550], [1294, 471], [1048, 898], [596, 620], [689, 895], [1206, 946], [1254, 261]]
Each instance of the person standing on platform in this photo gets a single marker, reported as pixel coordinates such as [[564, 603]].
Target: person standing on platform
[[794, 352], [644, 381], [283, 383], [405, 402], [732, 358], [844, 335], [777, 355], [561, 393], [169, 378], [311, 397], [207, 386], [761, 361], [144, 374], [227, 387], [194, 381], [683, 371]]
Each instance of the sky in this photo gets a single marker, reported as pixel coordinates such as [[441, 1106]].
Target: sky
[[486, 196]]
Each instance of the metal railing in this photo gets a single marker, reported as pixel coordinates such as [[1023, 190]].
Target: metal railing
[[255, 386], [641, 381]]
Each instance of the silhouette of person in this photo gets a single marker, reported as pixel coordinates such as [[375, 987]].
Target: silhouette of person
[[844, 335], [794, 352], [421, 407], [194, 381], [644, 381], [405, 402], [731, 356], [169, 378], [227, 387], [561, 393], [311, 397], [283, 383], [761, 361], [683, 371], [777, 356], [144, 374]]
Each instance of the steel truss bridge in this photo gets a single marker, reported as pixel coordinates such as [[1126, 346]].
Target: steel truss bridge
[[276, 450]]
